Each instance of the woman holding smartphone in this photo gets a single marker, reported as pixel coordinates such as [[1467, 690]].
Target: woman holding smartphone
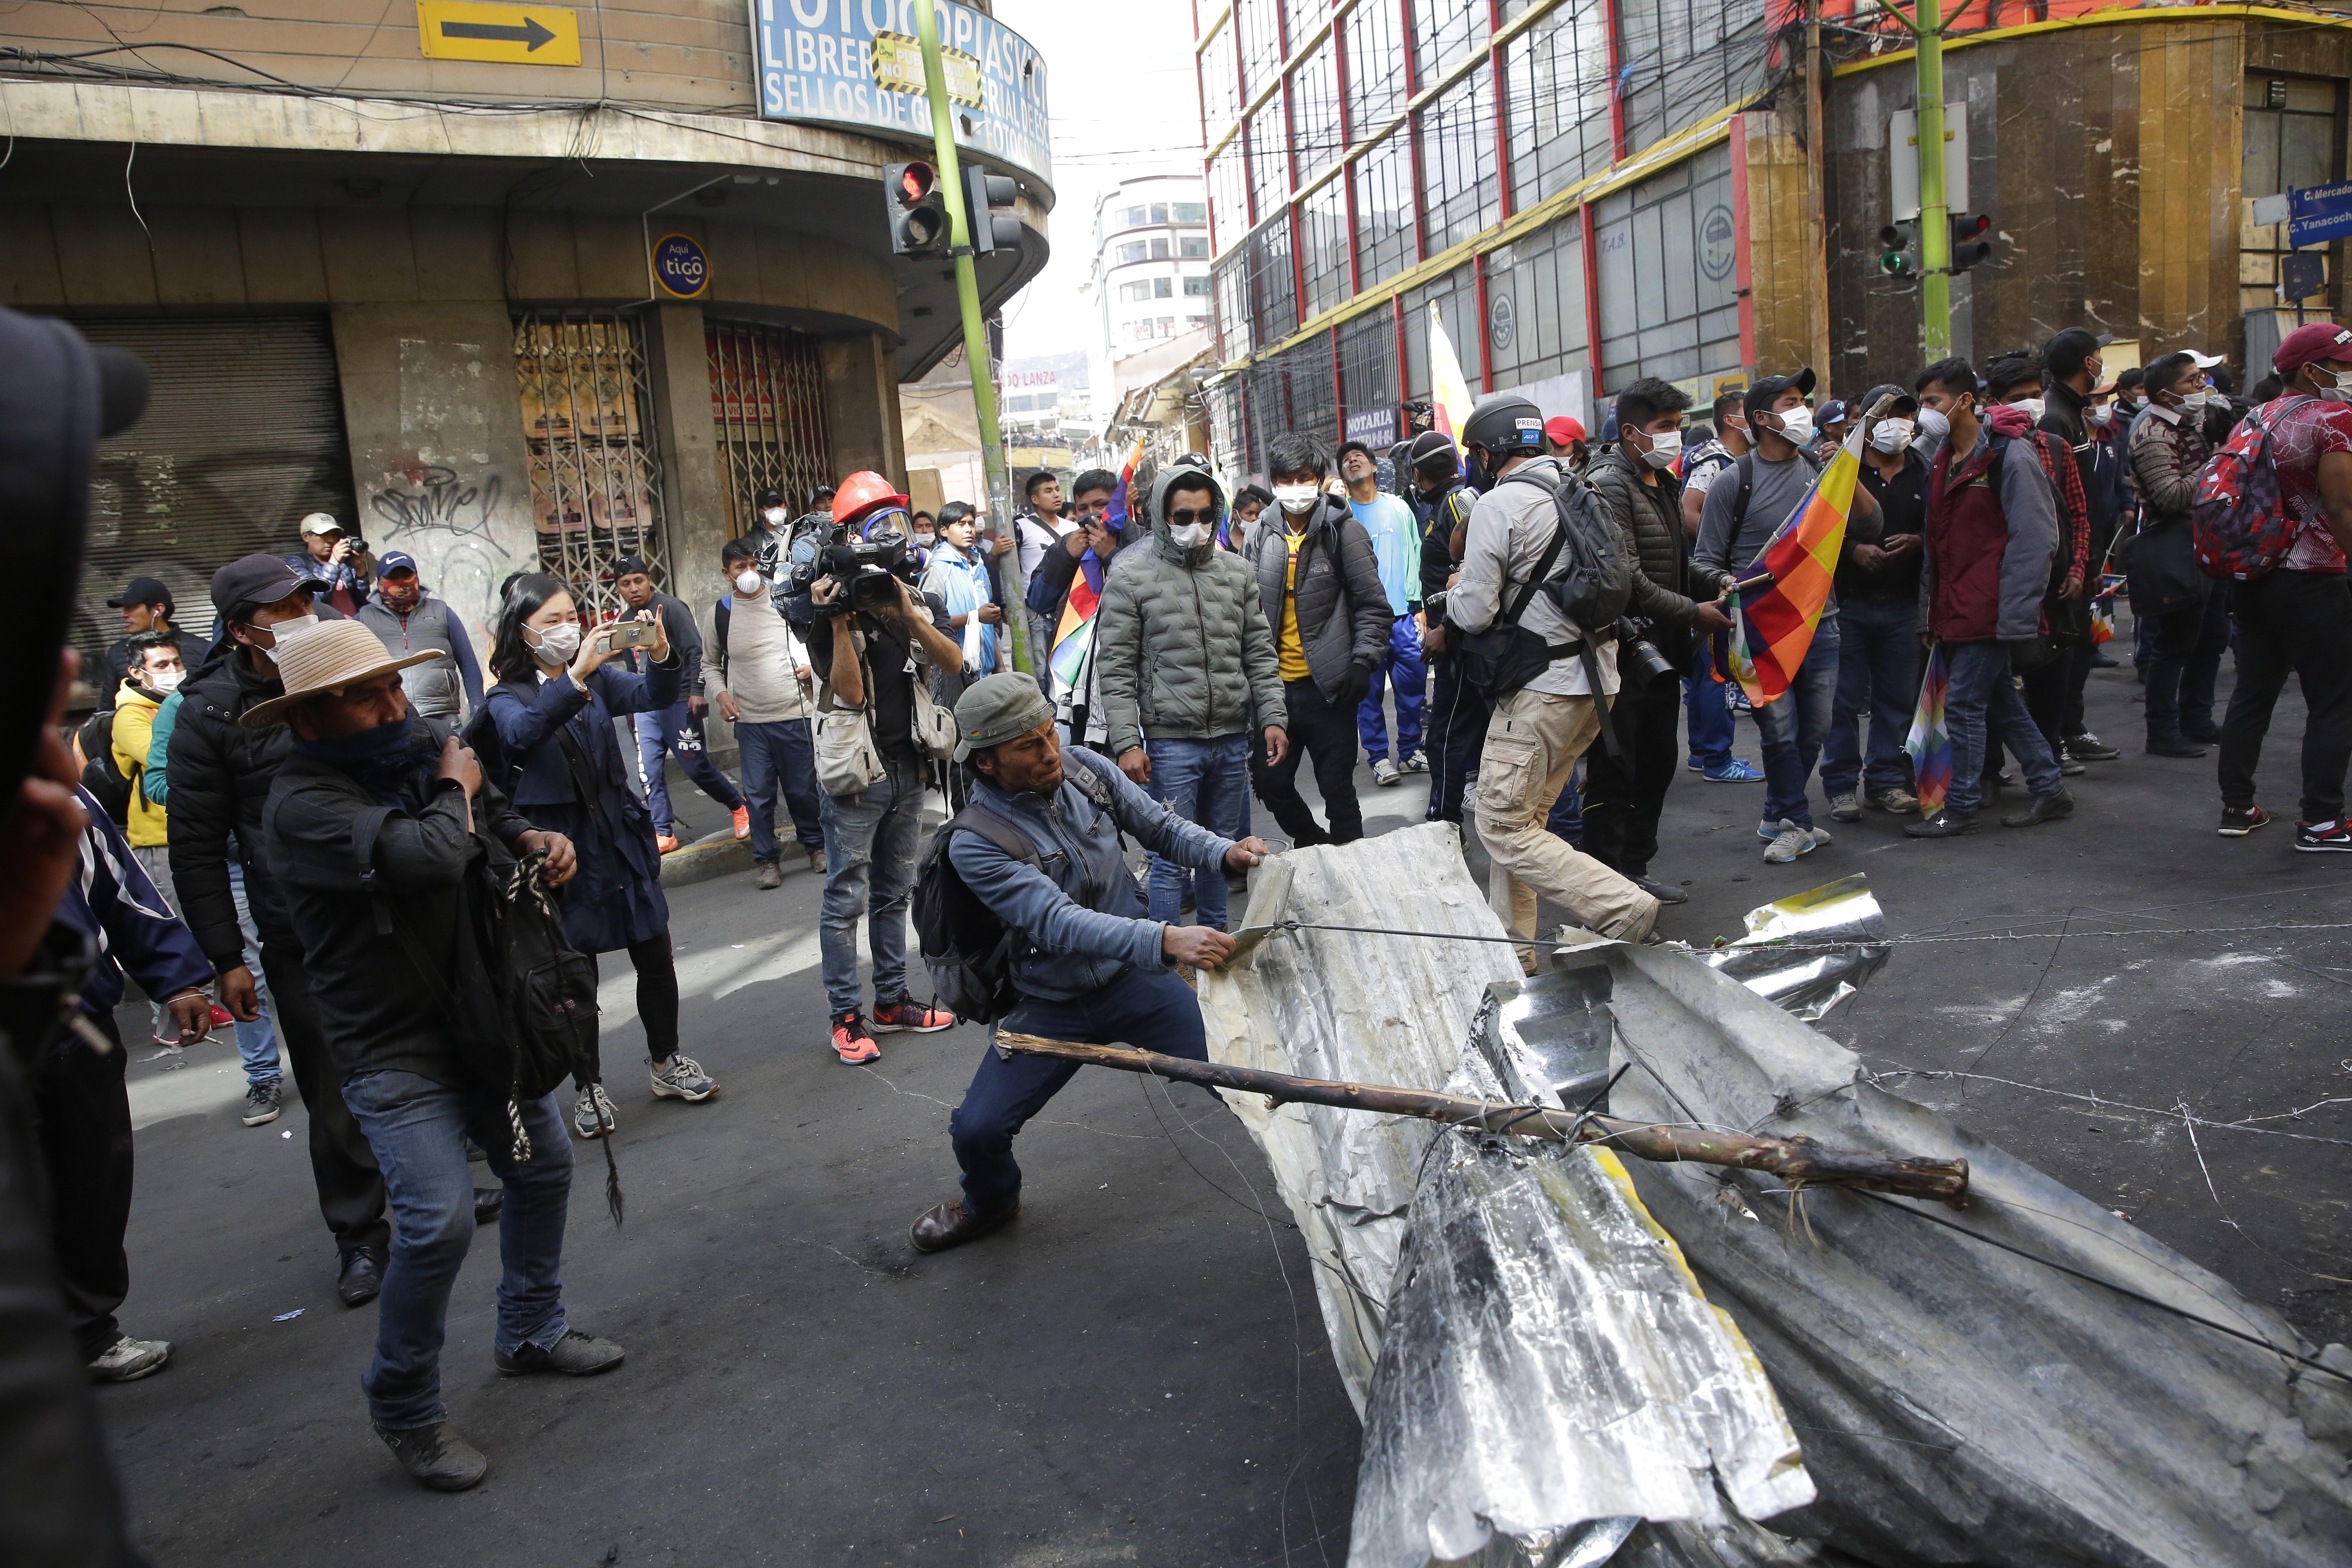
[[558, 693]]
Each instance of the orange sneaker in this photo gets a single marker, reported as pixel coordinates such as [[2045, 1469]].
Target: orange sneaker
[[906, 1017], [666, 842], [742, 822], [851, 1042]]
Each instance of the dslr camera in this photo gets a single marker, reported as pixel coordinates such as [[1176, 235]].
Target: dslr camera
[[1639, 662]]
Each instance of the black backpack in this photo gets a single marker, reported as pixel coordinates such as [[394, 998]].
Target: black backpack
[[108, 785], [969, 950]]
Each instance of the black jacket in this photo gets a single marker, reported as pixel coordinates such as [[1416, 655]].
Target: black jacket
[[685, 644], [1649, 521], [1342, 607], [221, 773], [386, 998]]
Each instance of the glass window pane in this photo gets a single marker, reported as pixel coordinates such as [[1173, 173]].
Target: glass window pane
[[1375, 81], [1457, 161], [1384, 215], [1315, 113]]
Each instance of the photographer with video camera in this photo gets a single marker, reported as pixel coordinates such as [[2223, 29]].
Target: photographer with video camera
[[869, 635]]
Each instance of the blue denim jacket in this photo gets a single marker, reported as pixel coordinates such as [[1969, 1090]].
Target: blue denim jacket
[[1078, 906]]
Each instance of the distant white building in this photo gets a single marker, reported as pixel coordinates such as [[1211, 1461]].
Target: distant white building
[[1150, 279], [1045, 402]]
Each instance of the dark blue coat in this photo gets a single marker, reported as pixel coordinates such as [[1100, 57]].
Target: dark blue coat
[[617, 899]]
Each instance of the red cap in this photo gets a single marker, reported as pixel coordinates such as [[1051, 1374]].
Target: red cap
[[1559, 430], [862, 492], [2316, 340]]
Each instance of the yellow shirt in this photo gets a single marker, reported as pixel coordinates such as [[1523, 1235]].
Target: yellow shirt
[[1291, 654], [133, 733]]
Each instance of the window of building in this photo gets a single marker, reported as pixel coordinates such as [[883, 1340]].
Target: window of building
[[1315, 113], [1163, 288], [1458, 184], [1196, 287], [1368, 362], [1229, 192], [1192, 246], [1134, 250], [1194, 323], [1558, 101], [1134, 218], [1160, 251], [1140, 288], [1686, 60], [1229, 286], [2290, 142], [1227, 444], [1535, 304], [1160, 212], [1323, 227], [1269, 162], [1262, 50], [1190, 212], [1445, 34], [1274, 288], [1314, 396], [1456, 298], [1221, 87], [1667, 250], [1375, 76], [1384, 215]]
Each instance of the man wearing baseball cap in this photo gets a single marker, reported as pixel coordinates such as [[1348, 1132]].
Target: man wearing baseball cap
[[337, 559], [2296, 617], [221, 773], [1039, 847], [145, 603], [409, 619]]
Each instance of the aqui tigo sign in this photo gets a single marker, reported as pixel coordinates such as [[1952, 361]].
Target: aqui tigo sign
[[857, 63], [680, 266]]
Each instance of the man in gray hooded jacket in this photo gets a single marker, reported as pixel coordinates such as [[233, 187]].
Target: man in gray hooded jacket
[[1187, 670]]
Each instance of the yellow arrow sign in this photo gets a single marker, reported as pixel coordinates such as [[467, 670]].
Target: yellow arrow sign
[[507, 35]]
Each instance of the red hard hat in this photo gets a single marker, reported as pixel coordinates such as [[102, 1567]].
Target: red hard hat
[[862, 492]]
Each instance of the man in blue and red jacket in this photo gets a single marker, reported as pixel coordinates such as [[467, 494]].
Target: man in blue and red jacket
[[1992, 524]]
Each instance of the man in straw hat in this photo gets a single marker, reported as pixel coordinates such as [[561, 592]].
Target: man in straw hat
[[1094, 967], [372, 823]]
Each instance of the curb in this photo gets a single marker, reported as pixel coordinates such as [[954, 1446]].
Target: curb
[[708, 858]]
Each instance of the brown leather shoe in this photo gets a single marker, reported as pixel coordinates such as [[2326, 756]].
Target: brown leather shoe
[[947, 1224]]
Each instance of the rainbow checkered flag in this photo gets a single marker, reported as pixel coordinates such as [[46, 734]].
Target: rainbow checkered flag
[[1930, 744], [1774, 614]]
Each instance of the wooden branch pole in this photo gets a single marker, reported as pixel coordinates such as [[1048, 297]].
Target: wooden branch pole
[[1799, 1160]]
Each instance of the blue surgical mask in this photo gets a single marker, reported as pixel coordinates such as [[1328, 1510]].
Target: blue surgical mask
[[377, 760]]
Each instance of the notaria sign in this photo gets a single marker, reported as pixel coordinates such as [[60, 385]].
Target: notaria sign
[[816, 64]]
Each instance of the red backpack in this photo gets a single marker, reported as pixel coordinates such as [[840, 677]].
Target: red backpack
[[2239, 520]]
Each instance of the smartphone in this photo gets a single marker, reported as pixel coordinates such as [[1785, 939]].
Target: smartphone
[[634, 633]]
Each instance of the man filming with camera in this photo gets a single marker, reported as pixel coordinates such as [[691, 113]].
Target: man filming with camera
[[869, 635]]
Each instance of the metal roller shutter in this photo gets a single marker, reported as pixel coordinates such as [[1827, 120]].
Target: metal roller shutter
[[242, 436]]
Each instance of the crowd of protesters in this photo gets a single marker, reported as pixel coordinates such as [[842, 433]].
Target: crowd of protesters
[[271, 815]]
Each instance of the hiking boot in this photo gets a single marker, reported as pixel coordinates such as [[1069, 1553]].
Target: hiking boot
[[262, 1102], [2324, 837], [2088, 748], [767, 875], [1664, 892], [1846, 807], [2239, 821], [683, 1080], [361, 1277], [1899, 800], [666, 843], [947, 1224], [1736, 771], [592, 1113], [2175, 746], [1417, 761], [1385, 773], [906, 1017], [816, 861], [1791, 841], [1942, 825], [127, 1359], [851, 1042], [2056, 806], [574, 1355], [741, 817], [436, 1456]]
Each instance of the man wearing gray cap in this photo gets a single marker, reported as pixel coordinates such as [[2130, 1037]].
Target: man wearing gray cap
[[1039, 848]]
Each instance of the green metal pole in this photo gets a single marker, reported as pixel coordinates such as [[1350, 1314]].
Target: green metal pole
[[975, 329], [1935, 219]]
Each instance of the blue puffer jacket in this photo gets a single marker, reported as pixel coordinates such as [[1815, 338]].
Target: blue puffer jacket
[[1078, 906]]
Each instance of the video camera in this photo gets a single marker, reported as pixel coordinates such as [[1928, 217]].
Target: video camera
[[865, 569]]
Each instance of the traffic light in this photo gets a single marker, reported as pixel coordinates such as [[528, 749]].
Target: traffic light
[[988, 208], [919, 210], [1968, 244], [1895, 260]]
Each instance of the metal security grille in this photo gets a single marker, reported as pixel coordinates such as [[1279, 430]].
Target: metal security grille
[[767, 400], [596, 470]]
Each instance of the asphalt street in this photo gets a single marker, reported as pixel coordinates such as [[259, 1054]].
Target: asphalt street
[[1136, 1372]]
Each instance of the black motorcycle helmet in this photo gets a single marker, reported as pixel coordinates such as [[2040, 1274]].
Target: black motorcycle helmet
[[1505, 425]]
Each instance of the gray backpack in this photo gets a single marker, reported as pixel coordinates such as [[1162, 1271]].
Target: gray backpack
[[1593, 583]]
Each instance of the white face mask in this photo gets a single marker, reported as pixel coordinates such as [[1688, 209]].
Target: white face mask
[[1797, 424], [293, 627], [747, 583], [1191, 536], [2100, 414], [2032, 406], [1933, 424], [1738, 426], [2332, 390], [559, 644], [165, 680], [1890, 436], [2195, 402], [1665, 448], [1296, 498], [773, 517]]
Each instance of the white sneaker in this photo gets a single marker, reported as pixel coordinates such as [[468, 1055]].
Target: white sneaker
[[592, 1116], [127, 1359], [684, 1079], [1792, 841], [1386, 772], [1418, 763]]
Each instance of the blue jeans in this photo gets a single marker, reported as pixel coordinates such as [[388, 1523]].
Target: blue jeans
[[780, 755], [418, 1130], [674, 729], [1708, 701], [1401, 668], [1878, 676], [1794, 724], [1982, 698], [870, 844], [1149, 1008], [1205, 782], [256, 1043]]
